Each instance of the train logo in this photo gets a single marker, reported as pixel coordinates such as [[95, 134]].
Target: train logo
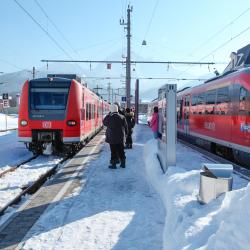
[[245, 127], [46, 124]]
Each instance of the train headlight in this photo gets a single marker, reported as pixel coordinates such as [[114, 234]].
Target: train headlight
[[71, 123], [24, 123]]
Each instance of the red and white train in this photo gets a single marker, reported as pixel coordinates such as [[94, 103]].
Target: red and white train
[[216, 114], [60, 112]]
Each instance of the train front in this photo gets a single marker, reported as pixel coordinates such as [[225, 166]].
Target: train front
[[44, 118]]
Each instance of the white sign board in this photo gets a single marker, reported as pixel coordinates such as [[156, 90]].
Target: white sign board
[[167, 114]]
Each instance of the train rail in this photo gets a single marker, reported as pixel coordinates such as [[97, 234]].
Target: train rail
[[237, 169], [6, 130], [13, 168], [34, 186]]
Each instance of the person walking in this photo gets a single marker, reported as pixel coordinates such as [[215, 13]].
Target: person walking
[[120, 111], [116, 132], [129, 115], [154, 122]]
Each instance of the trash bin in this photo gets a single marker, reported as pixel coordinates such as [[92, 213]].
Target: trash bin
[[215, 179]]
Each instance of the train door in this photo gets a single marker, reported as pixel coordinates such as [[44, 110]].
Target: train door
[[92, 117], [186, 113], [179, 110], [83, 117], [240, 127]]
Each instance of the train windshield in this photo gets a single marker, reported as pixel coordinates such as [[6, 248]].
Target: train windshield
[[48, 98]]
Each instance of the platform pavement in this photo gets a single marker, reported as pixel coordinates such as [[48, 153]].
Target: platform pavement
[[61, 185]]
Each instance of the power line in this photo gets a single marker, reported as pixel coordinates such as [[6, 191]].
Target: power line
[[219, 31], [151, 19], [41, 27], [221, 46], [145, 78], [123, 62], [56, 27], [225, 43]]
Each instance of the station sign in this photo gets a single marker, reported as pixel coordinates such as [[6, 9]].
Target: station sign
[[5, 103], [5, 96], [124, 98]]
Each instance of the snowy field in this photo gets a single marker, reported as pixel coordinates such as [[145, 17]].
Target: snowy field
[[12, 121], [119, 209]]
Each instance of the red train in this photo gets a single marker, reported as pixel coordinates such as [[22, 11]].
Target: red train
[[60, 112], [216, 114]]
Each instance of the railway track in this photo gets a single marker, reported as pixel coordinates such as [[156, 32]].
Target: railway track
[[13, 168], [6, 130], [237, 169], [34, 186]]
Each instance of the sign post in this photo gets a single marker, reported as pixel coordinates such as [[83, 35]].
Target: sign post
[[5, 97], [167, 120]]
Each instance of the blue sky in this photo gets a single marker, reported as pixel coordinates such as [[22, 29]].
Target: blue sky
[[178, 30]]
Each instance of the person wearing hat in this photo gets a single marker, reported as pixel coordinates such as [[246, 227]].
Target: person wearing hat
[[119, 108], [116, 132], [129, 115]]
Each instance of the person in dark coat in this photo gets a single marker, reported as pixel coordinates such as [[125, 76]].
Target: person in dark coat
[[116, 132], [129, 115], [120, 111]]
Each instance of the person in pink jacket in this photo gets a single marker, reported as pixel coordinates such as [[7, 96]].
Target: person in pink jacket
[[154, 122]]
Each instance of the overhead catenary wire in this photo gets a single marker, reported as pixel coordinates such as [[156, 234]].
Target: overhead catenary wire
[[55, 26], [151, 19], [145, 78], [220, 30], [225, 43], [217, 33], [44, 30]]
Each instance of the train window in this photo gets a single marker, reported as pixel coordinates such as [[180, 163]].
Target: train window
[[87, 111], [187, 101], [179, 110], [210, 102], [211, 97], [90, 111], [222, 101], [243, 99], [48, 98], [200, 103], [222, 95], [200, 99], [193, 104], [194, 100]]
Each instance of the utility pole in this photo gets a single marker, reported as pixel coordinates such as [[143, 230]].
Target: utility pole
[[109, 91], [34, 72], [97, 89], [128, 59]]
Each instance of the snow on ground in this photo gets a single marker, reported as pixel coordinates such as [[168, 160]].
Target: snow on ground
[[119, 209], [221, 224], [116, 209], [12, 152], [11, 184], [12, 121], [143, 119]]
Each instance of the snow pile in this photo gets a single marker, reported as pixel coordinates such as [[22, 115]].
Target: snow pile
[[12, 121], [143, 119], [221, 224]]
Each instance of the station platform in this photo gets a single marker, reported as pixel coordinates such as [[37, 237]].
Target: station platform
[[86, 205]]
